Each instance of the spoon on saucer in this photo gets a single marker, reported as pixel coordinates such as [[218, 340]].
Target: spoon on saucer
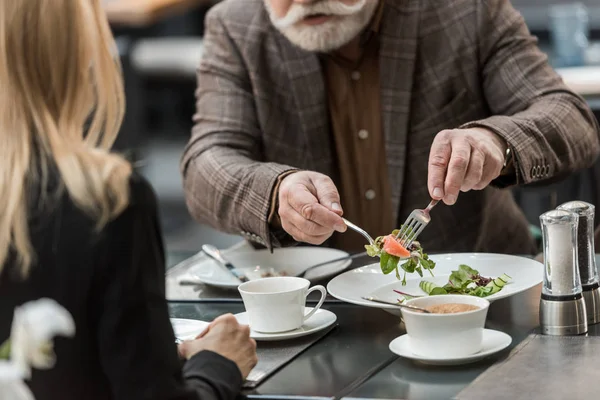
[[413, 308]]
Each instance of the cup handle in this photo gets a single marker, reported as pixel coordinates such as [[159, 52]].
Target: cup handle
[[323, 295]]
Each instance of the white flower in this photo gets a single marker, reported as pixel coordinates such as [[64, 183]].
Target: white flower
[[34, 326], [12, 386]]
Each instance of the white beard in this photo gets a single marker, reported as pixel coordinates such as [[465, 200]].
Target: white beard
[[348, 22]]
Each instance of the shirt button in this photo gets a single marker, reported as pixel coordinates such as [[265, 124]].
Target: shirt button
[[363, 134], [370, 194], [355, 75]]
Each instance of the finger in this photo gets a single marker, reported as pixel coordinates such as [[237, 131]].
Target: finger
[[439, 157], [203, 333], [491, 170], [457, 169], [309, 227], [223, 323], [181, 351], [327, 194], [300, 236], [301, 229], [474, 171], [245, 330], [184, 349], [310, 209], [226, 319]]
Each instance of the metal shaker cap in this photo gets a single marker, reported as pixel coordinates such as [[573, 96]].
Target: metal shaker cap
[[580, 208]]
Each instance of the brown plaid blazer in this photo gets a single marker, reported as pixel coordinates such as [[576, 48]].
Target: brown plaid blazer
[[262, 110]]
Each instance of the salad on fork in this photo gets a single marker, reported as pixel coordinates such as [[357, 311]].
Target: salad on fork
[[401, 245], [393, 256]]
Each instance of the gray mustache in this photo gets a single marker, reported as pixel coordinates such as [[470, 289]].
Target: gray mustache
[[298, 12]]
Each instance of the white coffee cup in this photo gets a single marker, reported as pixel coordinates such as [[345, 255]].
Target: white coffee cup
[[445, 335], [277, 304]]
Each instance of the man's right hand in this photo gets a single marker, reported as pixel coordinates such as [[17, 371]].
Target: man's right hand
[[309, 207], [225, 336]]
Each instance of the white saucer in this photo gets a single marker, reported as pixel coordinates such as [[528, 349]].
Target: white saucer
[[319, 321], [493, 342], [187, 329]]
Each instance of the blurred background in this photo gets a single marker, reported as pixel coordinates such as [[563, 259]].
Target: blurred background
[[160, 44]]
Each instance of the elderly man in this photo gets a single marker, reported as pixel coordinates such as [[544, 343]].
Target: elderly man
[[308, 110]]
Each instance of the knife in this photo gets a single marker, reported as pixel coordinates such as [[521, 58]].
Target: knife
[[216, 255], [302, 274]]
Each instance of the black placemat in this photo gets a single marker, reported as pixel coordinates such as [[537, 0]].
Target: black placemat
[[542, 367], [274, 355]]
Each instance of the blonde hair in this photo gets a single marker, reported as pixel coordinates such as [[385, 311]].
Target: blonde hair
[[61, 106]]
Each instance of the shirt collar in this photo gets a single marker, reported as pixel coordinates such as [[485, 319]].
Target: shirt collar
[[373, 28]]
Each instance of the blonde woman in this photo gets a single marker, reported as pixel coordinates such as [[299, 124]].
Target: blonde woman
[[78, 227]]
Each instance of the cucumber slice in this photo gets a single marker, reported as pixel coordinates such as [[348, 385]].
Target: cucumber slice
[[498, 283], [431, 288]]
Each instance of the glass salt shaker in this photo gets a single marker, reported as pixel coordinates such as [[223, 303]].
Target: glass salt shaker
[[562, 308], [586, 257]]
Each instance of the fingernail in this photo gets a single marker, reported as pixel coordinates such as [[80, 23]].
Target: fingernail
[[438, 192], [451, 199], [336, 207], [341, 228]]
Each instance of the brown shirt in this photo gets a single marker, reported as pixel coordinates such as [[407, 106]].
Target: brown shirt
[[355, 116]]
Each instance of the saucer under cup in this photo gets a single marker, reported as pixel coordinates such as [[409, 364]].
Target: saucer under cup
[[445, 335], [277, 304]]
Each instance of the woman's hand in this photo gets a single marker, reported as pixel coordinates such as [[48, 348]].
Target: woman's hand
[[225, 336]]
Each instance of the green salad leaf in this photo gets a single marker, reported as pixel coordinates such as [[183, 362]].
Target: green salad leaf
[[388, 263], [466, 280], [416, 262]]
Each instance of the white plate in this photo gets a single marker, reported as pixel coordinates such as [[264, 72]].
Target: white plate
[[187, 329], [288, 260], [370, 281], [493, 342], [319, 321]]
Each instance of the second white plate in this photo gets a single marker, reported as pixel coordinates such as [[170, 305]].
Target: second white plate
[[261, 263], [370, 281]]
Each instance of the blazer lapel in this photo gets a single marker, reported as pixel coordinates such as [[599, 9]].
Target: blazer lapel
[[307, 88], [398, 40]]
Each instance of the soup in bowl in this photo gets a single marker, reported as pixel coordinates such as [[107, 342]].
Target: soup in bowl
[[452, 328]]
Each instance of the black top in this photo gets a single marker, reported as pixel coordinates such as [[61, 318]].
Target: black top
[[112, 282]]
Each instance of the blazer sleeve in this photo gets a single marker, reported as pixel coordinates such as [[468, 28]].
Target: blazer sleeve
[[135, 340], [551, 131], [226, 181]]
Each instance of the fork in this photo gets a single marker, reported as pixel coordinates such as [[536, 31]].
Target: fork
[[414, 224], [357, 229]]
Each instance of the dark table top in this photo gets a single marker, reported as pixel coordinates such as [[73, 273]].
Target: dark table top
[[354, 361], [357, 348], [405, 379]]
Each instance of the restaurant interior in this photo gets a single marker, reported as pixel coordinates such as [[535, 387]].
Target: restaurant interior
[[527, 332], [160, 43], [160, 50]]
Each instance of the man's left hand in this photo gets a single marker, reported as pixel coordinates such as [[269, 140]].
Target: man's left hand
[[463, 160]]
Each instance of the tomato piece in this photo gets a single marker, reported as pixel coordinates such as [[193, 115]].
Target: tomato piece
[[394, 248]]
